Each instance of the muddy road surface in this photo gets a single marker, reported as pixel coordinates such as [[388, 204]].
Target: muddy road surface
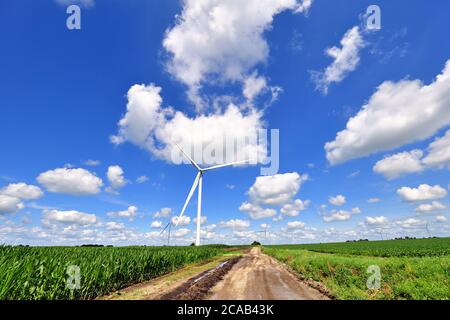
[[246, 276], [257, 276]]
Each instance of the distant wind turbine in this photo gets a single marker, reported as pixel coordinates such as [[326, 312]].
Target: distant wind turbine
[[428, 230], [168, 225], [263, 231], [198, 182]]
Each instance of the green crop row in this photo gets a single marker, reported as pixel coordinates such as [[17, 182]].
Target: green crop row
[[388, 248], [87, 272]]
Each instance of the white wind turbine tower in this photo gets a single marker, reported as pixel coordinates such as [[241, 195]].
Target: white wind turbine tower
[[198, 182]]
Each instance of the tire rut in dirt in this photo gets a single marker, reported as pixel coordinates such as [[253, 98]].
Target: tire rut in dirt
[[198, 287]]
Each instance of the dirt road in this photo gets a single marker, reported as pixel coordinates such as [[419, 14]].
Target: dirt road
[[233, 276], [260, 277]]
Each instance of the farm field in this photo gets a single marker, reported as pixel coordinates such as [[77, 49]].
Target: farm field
[[41, 272], [409, 269]]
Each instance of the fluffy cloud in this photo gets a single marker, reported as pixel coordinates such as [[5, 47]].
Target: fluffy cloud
[[346, 59], [340, 215], [202, 220], [410, 223], [396, 165], [373, 200], [221, 40], [163, 213], [377, 221], [116, 177], [114, 226], [294, 208], [295, 225], [338, 200], [430, 207], [441, 218], [69, 217], [256, 212], [156, 224], [92, 163], [277, 189], [394, 116], [181, 232], [10, 204], [22, 191], [438, 156], [253, 86], [154, 128], [439, 152], [235, 224], [71, 181], [141, 179], [183, 221], [130, 213], [422, 193]]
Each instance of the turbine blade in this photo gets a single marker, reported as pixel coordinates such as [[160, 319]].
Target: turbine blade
[[190, 159], [164, 228], [226, 165], [194, 185]]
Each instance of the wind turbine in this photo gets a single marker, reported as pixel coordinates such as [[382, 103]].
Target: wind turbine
[[198, 182], [168, 225], [265, 232], [428, 230]]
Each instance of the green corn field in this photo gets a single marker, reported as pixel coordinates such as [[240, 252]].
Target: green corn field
[[388, 248], [50, 272]]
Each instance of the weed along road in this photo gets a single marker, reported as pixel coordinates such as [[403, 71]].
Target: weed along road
[[260, 277]]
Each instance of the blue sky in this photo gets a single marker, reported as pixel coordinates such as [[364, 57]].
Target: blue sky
[[64, 92]]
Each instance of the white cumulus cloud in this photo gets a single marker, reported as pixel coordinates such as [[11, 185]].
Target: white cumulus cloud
[[130, 213], [398, 113], [221, 40], [22, 191], [340, 215], [183, 221], [163, 213], [235, 224], [156, 129], [296, 225], [10, 204], [346, 59], [377, 221], [277, 189], [116, 177], [256, 212], [70, 181], [293, 209], [338, 200], [394, 166], [69, 217], [156, 224], [430, 207], [422, 193]]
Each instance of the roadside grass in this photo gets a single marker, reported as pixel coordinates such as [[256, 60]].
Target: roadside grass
[[346, 276]]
